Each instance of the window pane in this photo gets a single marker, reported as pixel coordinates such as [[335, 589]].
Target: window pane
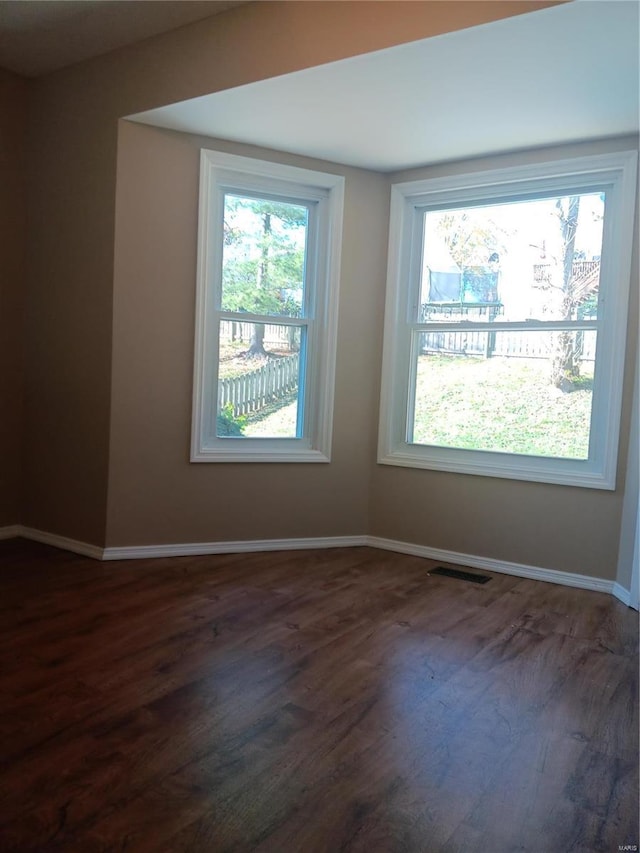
[[263, 264], [523, 260], [259, 381], [508, 392]]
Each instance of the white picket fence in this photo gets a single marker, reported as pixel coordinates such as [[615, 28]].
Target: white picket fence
[[506, 344], [250, 392]]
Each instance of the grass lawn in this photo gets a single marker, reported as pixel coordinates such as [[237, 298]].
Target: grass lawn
[[275, 421], [500, 404]]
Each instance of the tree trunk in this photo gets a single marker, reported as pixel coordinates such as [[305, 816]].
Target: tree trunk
[[565, 364], [565, 361], [256, 347], [293, 343]]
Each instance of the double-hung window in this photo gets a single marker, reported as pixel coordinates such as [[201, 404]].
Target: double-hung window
[[266, 313], [505, 321]]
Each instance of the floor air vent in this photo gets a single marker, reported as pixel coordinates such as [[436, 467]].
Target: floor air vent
[[461, 576]]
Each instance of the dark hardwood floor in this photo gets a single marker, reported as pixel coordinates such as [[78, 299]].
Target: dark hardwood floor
[[310, 702]]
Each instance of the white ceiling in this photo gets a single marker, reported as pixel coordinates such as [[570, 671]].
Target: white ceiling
[[556, 75], [39, 36]]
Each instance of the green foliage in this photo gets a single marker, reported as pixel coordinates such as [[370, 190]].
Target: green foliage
[[471, 237], [228, 423], [263, 270]]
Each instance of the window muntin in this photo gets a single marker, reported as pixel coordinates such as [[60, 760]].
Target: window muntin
[[269, 250], [479, 302]]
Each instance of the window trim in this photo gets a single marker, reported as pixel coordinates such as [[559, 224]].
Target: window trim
[[220, 172], [615, 171]]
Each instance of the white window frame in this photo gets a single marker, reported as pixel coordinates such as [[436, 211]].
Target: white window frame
[[221, 173], [615, 173]]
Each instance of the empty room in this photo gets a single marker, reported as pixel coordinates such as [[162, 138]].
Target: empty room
[[319, 517]]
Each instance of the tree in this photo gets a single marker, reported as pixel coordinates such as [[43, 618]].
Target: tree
[[471, 236], [264, 261], [565, 359]]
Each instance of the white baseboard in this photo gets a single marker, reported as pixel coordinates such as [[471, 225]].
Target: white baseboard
[[139, 552], [502, 566], [64, 542], [487, 563], [53, 539], [622, 594], [10, 531]]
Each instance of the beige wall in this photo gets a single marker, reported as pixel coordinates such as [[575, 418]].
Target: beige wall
[[629, 541], [13, 211], [155, 494], [73, 136], [68, 311], [555, 527], [107, 451]]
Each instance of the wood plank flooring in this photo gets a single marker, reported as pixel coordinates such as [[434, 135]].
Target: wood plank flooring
[[310, 702]]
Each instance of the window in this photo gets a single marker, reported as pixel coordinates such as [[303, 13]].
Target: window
[[266, 313], [505, 321]]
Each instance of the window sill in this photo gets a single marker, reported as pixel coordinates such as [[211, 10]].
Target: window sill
[[561, 472], [243, 455]]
